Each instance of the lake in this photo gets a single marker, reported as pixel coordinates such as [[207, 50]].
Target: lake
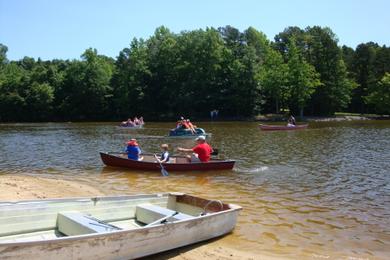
[[323, 192]]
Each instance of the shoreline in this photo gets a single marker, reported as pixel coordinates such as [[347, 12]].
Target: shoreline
[[336, 118], [259, 118], [16, 187]]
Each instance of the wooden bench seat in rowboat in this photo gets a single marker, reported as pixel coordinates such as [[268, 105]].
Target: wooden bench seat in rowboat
[[151, 214], [75, 223]]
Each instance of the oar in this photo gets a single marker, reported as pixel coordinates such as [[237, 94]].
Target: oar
[[161, 220], [163, 171]]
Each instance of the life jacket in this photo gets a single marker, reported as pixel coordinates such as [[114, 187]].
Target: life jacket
[[162, 156]]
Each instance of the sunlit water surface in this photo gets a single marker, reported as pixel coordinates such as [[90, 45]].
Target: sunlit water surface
[[319, 193]]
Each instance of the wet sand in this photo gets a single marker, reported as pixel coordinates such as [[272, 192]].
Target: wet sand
[[21, 187]]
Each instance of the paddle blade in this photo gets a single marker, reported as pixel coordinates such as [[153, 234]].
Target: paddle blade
[[164, 172]]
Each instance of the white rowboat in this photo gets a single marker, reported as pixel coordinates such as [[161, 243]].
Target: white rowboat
[[120, 227]]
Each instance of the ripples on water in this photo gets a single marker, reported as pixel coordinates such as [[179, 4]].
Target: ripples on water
[[323, 192]]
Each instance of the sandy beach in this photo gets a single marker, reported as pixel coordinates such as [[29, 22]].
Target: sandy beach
[[21, 187]]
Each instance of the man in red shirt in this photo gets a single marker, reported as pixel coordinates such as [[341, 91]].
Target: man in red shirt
[[201, 152]]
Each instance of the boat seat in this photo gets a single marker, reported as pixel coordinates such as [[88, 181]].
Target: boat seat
[[76, 223], [149, 214]]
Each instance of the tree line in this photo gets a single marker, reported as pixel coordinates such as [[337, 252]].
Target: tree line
[[241, 74]]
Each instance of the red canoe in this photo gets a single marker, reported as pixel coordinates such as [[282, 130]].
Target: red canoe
[[178, 163], [282, 127]]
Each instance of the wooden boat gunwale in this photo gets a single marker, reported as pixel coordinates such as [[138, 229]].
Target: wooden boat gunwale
[[213, 164], [97, 198]]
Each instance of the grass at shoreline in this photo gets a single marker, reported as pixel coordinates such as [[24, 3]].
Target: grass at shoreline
[[362, 115]]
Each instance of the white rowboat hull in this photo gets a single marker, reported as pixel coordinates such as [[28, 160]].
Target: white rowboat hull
[[126, 244]]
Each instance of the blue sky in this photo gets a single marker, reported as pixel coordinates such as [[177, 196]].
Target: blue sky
[[65, 28]]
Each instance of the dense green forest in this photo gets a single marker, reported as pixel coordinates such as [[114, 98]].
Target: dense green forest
[[241, 74]]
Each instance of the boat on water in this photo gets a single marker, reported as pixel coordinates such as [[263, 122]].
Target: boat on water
[[119, 227], [282, 127], [131, 126], [136, 123], [177, 163], [179, 132]]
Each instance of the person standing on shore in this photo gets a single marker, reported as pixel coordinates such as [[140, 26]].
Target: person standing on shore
[[214, 114]]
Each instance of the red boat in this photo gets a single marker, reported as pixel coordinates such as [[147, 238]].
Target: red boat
[[282, 127], [177, 163]]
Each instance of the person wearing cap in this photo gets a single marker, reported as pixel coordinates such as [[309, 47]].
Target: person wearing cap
[[133, 151], [164, 158], [201, 152]]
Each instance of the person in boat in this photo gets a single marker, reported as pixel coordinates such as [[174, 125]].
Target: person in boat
[[191, 126], [186, 125], [183, 124], [201, 152], [130, 122], [179, 124], [164, 157], [141, 120], [291, 121], [133, 151]]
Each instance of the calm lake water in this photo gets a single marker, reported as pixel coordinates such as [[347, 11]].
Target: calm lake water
[[320, 193]]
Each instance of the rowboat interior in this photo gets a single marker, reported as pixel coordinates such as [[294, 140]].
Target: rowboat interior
[[173, 159], [151, 158], [50, 219]]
